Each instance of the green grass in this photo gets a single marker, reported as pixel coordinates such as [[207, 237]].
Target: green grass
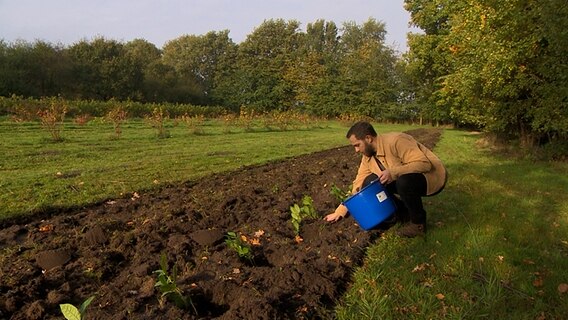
[[89, 166], [497, 245]]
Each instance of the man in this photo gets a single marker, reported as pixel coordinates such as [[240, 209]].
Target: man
[[404, 166]]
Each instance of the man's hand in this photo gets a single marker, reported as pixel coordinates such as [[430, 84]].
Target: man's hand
[[332, 217], [385, 177]]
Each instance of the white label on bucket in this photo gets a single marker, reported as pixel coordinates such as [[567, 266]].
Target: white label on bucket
[[381, 196]]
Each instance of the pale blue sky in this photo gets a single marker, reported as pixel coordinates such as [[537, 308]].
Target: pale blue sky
[[158, 21]]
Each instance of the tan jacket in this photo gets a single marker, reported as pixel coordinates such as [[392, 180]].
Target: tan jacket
[[401, 154]]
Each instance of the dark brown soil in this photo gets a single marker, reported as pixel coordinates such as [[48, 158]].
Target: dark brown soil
[[111, 250]]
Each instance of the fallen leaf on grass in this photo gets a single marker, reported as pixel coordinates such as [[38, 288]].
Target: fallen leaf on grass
[[440, 296], [298, 239], [420, 267], [538, 282], [255, 242], [528, 261], [563, 288]]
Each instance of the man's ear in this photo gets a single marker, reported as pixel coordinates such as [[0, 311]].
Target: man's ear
[[369, 138]]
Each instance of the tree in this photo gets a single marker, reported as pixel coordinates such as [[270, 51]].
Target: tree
[[507, 57], [498, 65], [318, 72], [427, 60], [367, 70], [202, 60], [262, 61], [32, 69], [102, 70], [145, 57]]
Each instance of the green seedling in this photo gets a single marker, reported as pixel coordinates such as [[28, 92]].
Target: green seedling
[[296, 213], [339, 193], [242, 248], [306, 211], [70, 312], [168, 286]]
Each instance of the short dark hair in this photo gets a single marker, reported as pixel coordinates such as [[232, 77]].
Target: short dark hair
[[360, 130]]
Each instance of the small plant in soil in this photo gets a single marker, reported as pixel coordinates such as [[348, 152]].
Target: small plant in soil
[[296, 218], [339, 193], [305, 211], [70, 312], [168, 287], [242, 248]]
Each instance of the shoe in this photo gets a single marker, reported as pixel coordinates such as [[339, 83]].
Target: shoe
[[411, 230]]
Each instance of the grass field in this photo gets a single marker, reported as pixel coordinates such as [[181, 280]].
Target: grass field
[[89, 165], [497, 245]]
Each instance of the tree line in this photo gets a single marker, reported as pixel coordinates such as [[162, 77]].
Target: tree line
[[499, 66], [324, 71]]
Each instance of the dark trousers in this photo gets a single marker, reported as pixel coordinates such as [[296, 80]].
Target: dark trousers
[[410, 189]]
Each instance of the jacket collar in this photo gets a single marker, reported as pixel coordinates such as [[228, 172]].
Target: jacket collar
[[379, 146]]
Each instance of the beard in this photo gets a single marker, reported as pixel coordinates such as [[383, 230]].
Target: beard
[[368, 150]]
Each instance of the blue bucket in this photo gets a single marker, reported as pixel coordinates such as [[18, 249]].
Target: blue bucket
[[370, 206]]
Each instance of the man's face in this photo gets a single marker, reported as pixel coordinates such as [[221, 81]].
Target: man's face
[[364, 146]]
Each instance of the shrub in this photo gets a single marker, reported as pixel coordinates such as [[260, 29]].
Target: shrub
[[194, 123], [117, 116], [53, 117], [157, 120]]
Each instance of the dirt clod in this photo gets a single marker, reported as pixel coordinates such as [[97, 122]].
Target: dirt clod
[[50, 259]]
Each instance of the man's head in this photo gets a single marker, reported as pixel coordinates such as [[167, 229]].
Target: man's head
[[361, 136]]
